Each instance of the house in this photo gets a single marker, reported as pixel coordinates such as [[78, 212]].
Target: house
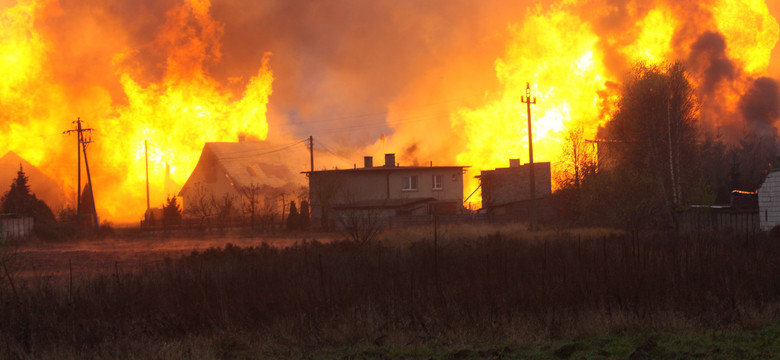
[[237, 170], [506, 192], [383, 192], [769, 201]]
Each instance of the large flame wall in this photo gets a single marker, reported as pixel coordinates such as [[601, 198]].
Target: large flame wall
[[433, 81]]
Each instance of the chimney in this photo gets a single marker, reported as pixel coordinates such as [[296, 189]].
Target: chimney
[[368, 161], [514, 163], [389, 160]]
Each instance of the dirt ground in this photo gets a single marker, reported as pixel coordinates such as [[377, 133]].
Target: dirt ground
[[61, 260]]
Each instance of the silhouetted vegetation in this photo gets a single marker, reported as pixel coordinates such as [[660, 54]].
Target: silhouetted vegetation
[[19, 200], [171, 212], [490, 289], [655, 158], [293, 218]]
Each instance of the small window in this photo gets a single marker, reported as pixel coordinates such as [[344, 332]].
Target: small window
[[410, 183], [436, 182]]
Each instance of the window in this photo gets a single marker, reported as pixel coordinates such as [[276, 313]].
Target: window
[[436, 182], [410, 183]]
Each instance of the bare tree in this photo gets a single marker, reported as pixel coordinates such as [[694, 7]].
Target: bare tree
[[270, 209], [251, 196], [361, 223], [578, 158], [203, 205], [224, 210]]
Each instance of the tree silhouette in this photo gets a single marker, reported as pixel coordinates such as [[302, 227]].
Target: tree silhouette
[[18, 200], [171, 212], [304, 216], [293, 219]]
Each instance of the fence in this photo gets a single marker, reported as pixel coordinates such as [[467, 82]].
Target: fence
[[729, 220], [16, 227]]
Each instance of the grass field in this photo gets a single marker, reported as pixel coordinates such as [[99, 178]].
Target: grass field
[[473, 293]]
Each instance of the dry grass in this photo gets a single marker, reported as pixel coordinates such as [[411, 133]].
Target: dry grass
[[475, 287]]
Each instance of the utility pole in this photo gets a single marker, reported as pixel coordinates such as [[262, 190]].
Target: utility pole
[[532, 181], [89, 180], [79, 142], [311, 152], [146, 158]]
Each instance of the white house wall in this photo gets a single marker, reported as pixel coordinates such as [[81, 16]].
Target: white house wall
[[769, 201]]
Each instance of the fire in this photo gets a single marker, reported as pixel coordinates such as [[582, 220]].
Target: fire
[[557, 53], [187, 109], [163, 90], [652, 37], [175, 115], [750, 31], [570, 65]]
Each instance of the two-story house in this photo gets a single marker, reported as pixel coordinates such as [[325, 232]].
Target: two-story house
[[384, 191]]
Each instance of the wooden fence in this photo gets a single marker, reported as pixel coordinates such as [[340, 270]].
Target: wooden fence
[[727, 220]]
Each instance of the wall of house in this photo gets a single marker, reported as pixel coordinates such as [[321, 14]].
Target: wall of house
[[769, 201], [451, 189], [329, 188], [208, 179], [505, 185]]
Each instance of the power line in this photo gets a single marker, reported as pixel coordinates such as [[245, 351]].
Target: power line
[[325, 148]]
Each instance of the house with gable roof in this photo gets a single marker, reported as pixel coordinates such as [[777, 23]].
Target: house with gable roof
[[225, 168]]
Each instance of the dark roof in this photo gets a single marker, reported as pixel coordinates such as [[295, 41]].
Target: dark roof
[[386, 168], [384, 203]]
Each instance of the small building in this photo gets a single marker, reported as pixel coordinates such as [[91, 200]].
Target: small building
[[13, 226], [506, 191], [739, 216], [228, 169], [383, 192], [769, 200]]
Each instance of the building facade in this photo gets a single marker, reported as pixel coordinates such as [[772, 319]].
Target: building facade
[[383, 192], [506, 191]]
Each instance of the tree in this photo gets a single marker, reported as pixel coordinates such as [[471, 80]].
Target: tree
[[224, 210], [293, 219], [654, 133], [19, 200], [203, 205], [171, 212], [578, 159], [251, 201], [305, 219]]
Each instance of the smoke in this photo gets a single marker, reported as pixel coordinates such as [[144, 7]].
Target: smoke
[[760, 106], [709, 61], [362, 77]]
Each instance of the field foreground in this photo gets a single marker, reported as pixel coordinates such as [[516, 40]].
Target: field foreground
[[462, 296]]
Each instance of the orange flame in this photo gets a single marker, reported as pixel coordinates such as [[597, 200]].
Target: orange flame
[[563, 57], [176, 115]]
